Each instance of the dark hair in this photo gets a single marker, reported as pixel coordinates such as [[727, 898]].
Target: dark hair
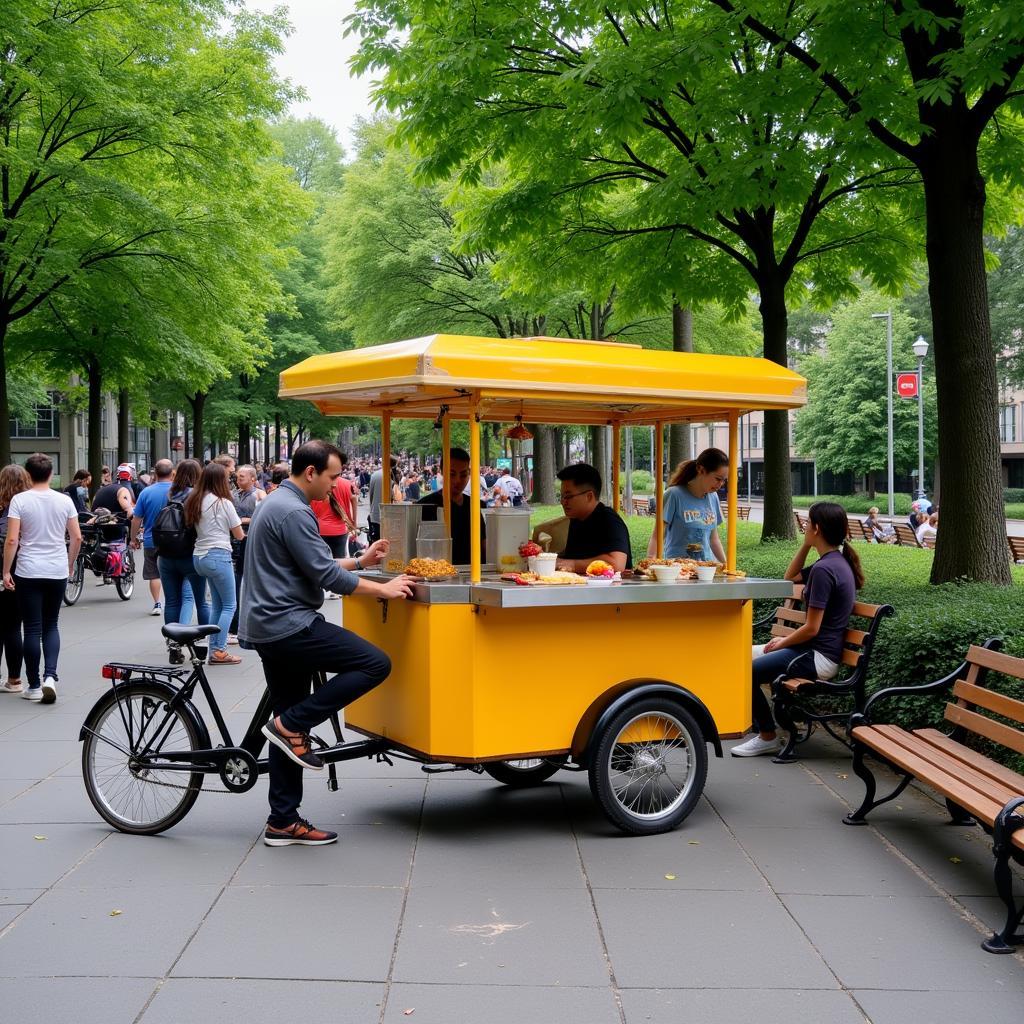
[[39, 467], [709, 460], [458, 455], [213, 480], [81, 474], [279, 473], [831, 520], [582, 475], [186, 475], [316, 454]]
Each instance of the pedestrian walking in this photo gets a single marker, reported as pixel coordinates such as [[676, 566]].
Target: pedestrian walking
[[184, 589], [147, 508], [246, 496], [78, 490], [289, 568], [13, 480], [37, 520], [376, 493], [210, 511]]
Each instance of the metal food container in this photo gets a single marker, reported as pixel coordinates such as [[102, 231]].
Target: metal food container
[[507, 530], [399, 524]]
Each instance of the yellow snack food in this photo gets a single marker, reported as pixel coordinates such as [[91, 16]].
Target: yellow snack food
[[431, 568]]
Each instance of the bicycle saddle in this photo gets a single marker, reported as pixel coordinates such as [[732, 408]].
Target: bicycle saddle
[[188, 634]]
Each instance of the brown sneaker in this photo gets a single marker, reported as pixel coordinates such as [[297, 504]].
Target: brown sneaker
[[301, 833], [298, 747]]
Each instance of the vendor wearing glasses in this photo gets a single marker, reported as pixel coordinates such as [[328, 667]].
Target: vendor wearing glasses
[[595, 530], [691, 512]]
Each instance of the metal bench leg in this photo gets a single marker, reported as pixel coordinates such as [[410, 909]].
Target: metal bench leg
[[861, 770], [1006, 824]]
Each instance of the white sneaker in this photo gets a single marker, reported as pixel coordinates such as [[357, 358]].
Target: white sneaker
[[755, 747], [10, 687], [32, 693], [232, 640], [158, 609], [49, 690]]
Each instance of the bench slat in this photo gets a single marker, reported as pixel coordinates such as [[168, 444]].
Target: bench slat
[[780, 630], [991, 700], [971, 720], [997, 661], [854, 636], [980, 762], [790, 615], [950, 763], [851, 658], [983, 808], [865, 611]]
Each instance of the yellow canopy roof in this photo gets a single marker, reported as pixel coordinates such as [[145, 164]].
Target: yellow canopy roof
[[544, 380]]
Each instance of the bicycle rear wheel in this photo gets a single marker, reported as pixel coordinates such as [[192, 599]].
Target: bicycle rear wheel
[[140, 801], [73, 589]]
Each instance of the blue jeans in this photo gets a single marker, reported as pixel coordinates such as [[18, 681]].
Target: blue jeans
[[181, 584], [766, 669], [216, 566]]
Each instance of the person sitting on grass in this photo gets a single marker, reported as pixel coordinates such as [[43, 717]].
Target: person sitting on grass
[[830, 592]]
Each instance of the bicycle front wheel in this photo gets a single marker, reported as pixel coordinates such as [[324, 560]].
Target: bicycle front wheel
[[73, 589], [140, 801]]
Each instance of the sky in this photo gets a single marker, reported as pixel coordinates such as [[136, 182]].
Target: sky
[[316, 57]]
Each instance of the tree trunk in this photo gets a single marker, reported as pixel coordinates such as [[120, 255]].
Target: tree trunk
[[123, 418], [94, 441], [485, 444], [198, 403], [5, 406], [187, 439], [543, 464], [972, 542], [291, 439], [244, 453], [598, 455], [682, 341], [266, 443], [778, 483], [153, 455], [277, 437]]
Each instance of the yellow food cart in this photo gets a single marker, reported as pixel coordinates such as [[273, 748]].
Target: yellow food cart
[[629, 682]]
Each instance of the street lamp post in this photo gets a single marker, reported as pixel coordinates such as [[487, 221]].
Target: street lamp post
[[920, 350], [888, 396]]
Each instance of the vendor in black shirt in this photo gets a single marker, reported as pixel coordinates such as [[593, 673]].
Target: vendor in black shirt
[[456, 477], [595, 530]]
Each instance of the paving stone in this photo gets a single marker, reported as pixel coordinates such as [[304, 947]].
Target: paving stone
[[10, 788], [55, 800], [692, 938], [256, 1000], [73, 932], [895, 942], [995, 1004], [82, 1000], [363, 855], [21, 759], [738, 1006], [776, 803], [836, 861], [526, 937], [41, 862], [19, 897], [494, 1004], [335, 933], [385, 801]]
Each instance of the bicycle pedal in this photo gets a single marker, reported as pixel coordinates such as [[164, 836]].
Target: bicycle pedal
[[319, 742]]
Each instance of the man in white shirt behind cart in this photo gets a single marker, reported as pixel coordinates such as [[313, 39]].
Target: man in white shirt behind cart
[[507, 490]]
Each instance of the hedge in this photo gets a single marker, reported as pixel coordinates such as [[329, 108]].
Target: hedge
[[858, 504]]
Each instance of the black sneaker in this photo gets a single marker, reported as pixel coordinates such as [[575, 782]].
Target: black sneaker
[[298, 748], [301, 833]]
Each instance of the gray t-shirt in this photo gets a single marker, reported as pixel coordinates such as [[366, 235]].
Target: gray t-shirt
[[376, 485], [288, 566]]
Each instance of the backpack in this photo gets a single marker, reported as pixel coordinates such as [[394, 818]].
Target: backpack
[[171, 537]]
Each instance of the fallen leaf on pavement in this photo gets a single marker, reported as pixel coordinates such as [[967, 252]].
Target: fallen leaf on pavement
[[409, 1012], [955, 860], [694, 842], [116, 913], [671, 878], [39, 837]]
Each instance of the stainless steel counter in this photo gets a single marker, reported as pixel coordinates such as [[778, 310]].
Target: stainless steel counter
[[496, 593]]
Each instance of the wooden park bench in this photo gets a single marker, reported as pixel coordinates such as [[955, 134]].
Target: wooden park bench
[[641, 506], [794, 694], [1016, 548], [905, 535], [801, 521], [742, 511], [975, 787]]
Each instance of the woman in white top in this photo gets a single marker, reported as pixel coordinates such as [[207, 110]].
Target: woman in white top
[[37, 521], [210, 510]]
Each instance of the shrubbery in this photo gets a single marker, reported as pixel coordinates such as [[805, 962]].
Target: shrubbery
[[858, 503]]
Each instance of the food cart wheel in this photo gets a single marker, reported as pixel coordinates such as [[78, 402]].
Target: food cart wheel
[[519, 774], [649, 766]]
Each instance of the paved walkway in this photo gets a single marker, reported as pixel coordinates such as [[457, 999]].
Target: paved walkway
[[452, 900]]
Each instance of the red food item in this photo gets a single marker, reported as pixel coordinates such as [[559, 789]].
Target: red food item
[[530, 549]]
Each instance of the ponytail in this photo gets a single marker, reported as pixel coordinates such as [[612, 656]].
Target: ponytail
[[831, 521], [709, 460]]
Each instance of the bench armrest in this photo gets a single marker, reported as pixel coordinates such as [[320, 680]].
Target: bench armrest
[[945, 683]]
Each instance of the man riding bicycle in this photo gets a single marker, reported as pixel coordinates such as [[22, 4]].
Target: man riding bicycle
[[288, 565]]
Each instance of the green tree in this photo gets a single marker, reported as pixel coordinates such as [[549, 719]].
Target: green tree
[[844, 424], [130, 135], [937, 83], [676, 149]]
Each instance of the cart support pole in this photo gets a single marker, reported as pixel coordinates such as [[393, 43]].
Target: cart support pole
[[446, 444], [474, 490], [385, 459], [659, 485], [734, 490], [616, 463]]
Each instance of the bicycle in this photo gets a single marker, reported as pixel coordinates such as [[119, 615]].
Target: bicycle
[[111, 559], [146, 747]]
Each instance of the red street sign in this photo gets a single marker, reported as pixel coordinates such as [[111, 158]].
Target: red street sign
[[906, 385]]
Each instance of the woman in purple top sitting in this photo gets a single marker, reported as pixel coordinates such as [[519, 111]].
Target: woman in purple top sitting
[[830, 592]]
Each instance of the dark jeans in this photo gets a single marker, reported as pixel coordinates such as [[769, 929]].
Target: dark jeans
[[766, 670], [10, 631], [373, 531], [288, 665], [40, 601], [338, 545], [238, 555]]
